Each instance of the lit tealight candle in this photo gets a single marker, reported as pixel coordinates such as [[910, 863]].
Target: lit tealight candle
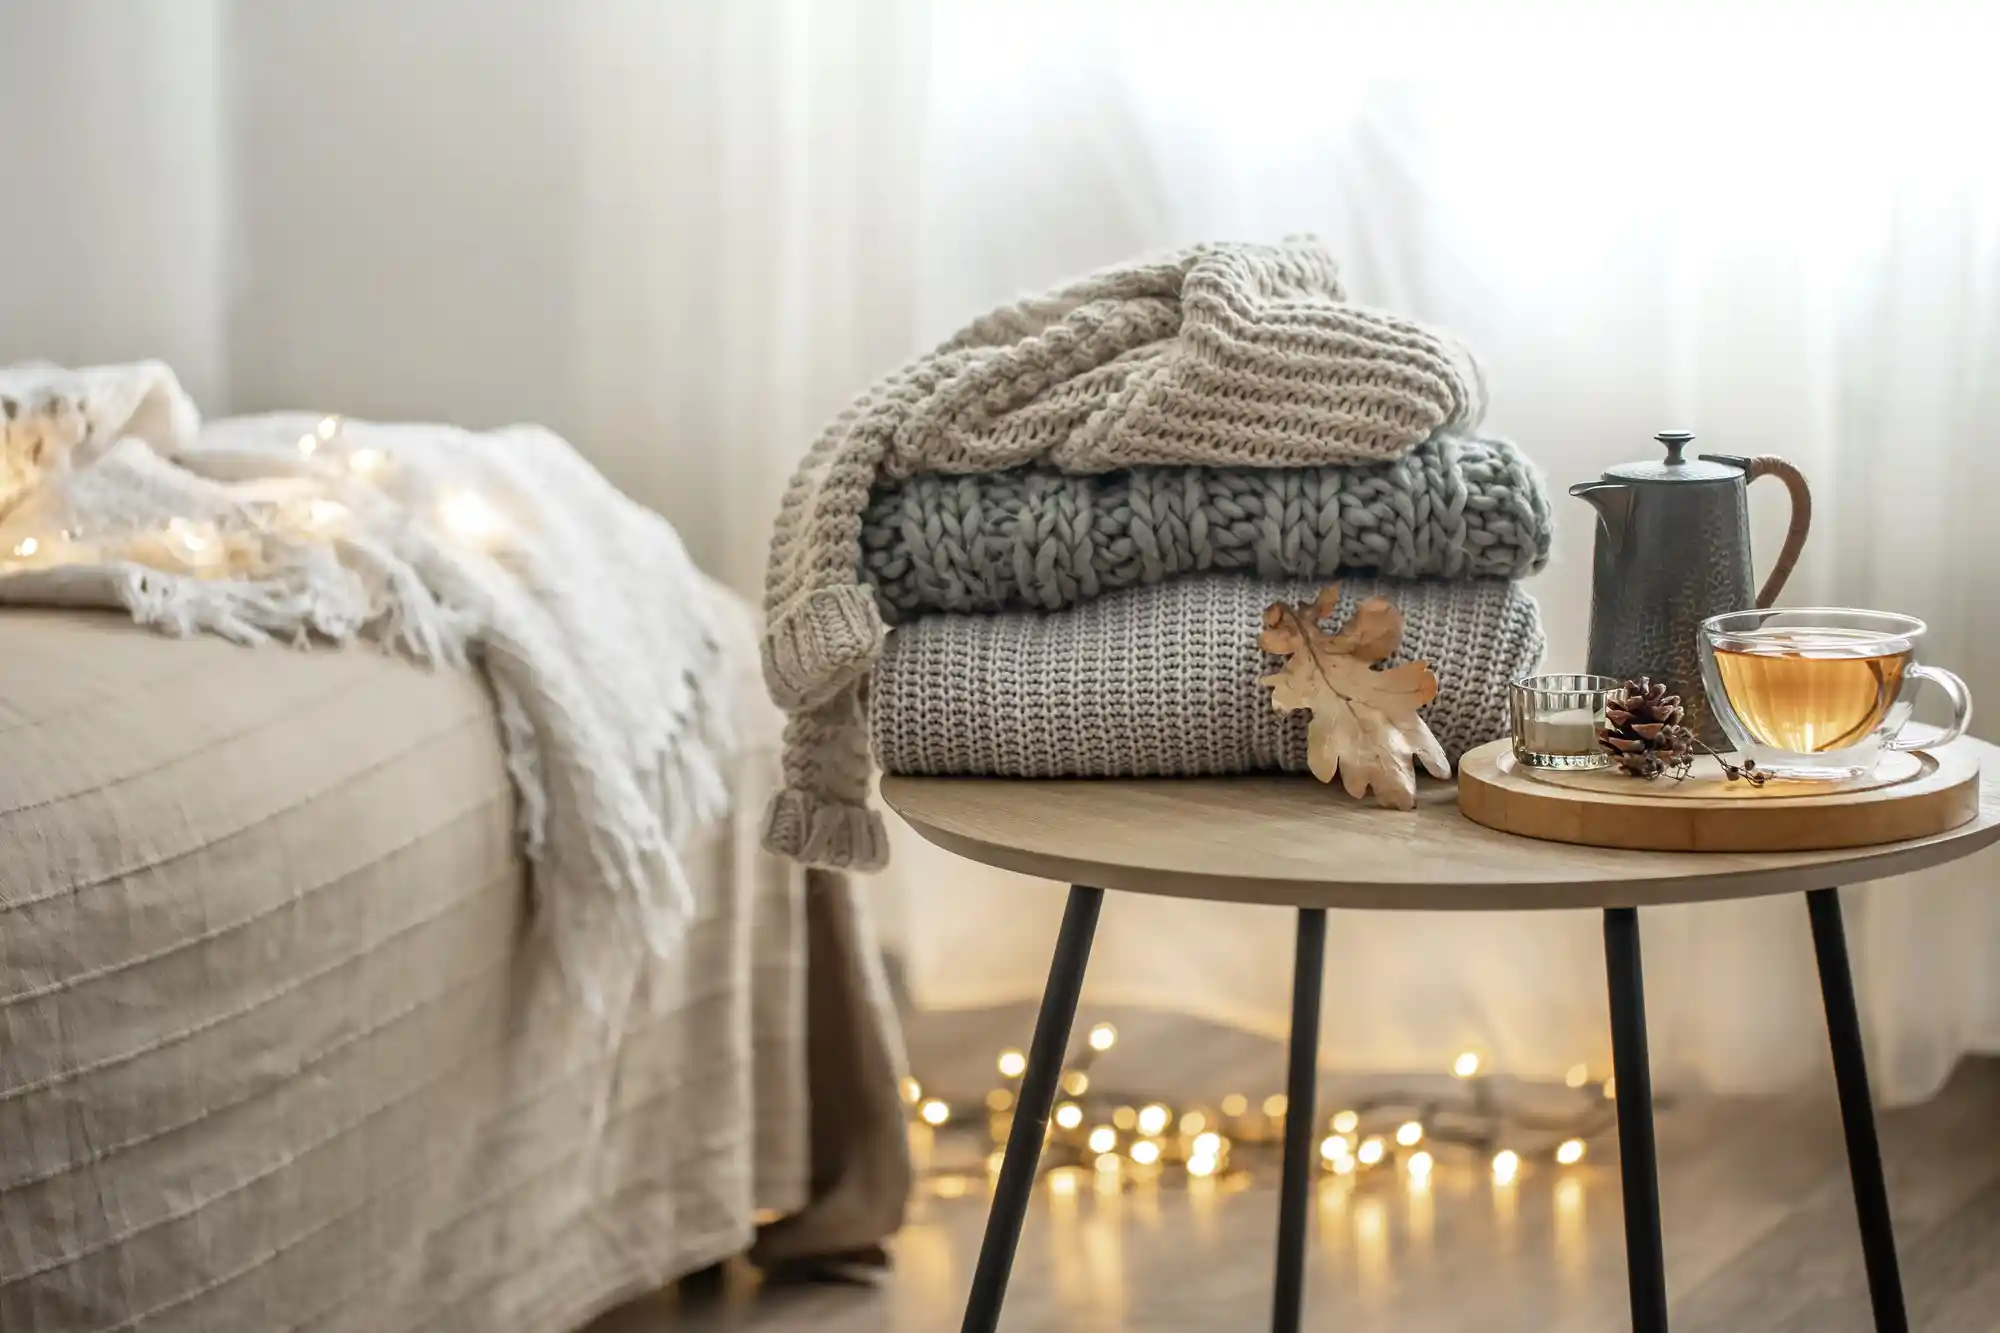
[[1572, 731]]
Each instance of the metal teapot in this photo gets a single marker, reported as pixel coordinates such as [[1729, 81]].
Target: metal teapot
[[1673, 549]]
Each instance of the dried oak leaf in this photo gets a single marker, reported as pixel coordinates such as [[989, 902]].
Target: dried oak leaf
[[1365, 727]]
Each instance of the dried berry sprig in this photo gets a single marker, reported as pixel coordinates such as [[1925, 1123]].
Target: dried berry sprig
[[1747, 771]]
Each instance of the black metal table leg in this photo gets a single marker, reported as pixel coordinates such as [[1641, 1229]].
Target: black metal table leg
[[1638, 1164], [1301, 1088], [1016, 1185], [1857, 1112]]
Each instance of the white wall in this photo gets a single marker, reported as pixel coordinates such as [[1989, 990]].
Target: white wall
[[113, 215]]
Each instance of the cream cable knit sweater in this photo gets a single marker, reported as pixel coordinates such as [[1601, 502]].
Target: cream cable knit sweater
[[1222, 355]]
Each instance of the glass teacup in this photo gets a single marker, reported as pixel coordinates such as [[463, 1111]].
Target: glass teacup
[[1820, 692]]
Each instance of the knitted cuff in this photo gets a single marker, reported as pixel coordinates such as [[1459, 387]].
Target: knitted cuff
[[817, 832], [820, 644]]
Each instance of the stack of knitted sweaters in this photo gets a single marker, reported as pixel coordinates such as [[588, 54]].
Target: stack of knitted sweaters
[[1045, 548]]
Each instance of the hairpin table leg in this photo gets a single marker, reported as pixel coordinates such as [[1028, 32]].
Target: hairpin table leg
[[1857, 1112], [1301, 1085], [1645, 1257], [1016, 1185]]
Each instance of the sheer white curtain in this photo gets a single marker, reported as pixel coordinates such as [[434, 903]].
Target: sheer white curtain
[[1781, 233], [685, 231]]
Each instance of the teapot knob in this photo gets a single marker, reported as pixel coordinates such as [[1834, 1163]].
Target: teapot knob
[[1675, 440]]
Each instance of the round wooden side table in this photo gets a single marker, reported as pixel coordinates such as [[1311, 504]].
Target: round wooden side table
[[1292, 842]]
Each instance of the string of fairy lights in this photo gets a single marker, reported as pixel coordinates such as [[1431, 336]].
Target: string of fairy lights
[[1134, 1141], [312, 502]]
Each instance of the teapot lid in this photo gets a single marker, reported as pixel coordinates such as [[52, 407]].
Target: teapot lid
[[1674, 467]]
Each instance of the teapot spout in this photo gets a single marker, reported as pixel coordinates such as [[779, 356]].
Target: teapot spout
[[1613, 502]]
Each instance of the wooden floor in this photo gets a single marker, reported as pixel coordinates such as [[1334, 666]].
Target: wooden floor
[[1760, 1236]]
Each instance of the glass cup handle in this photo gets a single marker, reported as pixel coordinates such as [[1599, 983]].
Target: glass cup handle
[[1961, 706]]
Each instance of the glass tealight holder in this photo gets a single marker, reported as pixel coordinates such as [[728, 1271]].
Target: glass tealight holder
[[1556, 720]]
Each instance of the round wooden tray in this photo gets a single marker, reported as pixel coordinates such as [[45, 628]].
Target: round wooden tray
[[1911, 794]]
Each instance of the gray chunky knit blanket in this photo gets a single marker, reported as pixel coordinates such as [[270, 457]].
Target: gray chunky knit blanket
[[1220, 356], [1034, 538], [1162, 681]]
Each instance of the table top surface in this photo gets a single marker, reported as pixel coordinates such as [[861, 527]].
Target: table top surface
[[1291, 841]]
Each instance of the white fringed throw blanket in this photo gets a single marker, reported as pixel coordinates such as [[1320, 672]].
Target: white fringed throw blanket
[[503, 549]]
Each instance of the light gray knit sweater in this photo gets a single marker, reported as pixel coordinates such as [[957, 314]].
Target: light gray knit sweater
[[1034, 538], [1221, 356], [1162, 681]]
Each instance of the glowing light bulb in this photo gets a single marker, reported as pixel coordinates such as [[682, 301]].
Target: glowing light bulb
[[1409, 1133], [1610, 1087], [1466, 1065], [1076, 1083], [1201, 1164], [1577, 1076], [1063, 1181], [191, 538], [1208, 1145], [934, 1112], [1145, 1152], [1571, 1152], [365, 463], [1069, 1115], [470, 517], [1235, 1104], [1154, 1119], [1275, 1104], [1345, 1122], [1506, 1166], [1370, 1151], [1194, 1122], [324, 515], [1332, 1146], [1419, 1167], [1343, 1166], [27, 547], [307, 444], [1012, 1063], [1103, 1037], [1125, 1118], [1103, 1139], [328, 427], [913, 1091], [999, 1100], [1108, 1163]]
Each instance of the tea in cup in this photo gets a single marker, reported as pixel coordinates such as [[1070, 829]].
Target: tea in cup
[[1820, 692]]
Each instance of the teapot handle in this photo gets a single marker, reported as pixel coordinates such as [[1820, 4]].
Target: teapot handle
[[1770, 465]]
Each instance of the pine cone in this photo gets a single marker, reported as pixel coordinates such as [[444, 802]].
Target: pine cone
[[1642, 729]]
